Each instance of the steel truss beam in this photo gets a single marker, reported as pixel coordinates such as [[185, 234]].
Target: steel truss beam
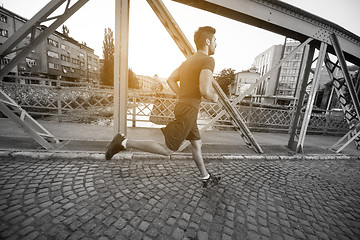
[[311, 98], [344, 87], [350, 136], [305, 70], [340, 88], [351, 109], [349, 83], [30, 28], [13, 111], [7, 105]]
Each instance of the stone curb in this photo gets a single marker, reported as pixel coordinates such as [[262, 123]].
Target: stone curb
[[88, 155]]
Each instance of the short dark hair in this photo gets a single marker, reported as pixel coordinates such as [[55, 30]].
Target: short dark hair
[[202, 34]]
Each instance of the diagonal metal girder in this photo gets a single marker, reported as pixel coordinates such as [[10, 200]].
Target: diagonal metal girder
[[13, 111], [30, 28], [342, 85], [8, 106], [303, 83], [311, 99], [173, 29], [344, 69]]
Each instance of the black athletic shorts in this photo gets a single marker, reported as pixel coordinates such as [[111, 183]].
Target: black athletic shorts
[[184, 126]]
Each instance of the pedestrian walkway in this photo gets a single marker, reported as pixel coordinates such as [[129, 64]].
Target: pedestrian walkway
[[90, 141], [163, 199], [73, 193]]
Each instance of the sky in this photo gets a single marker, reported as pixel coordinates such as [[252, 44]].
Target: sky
[[152, 50]]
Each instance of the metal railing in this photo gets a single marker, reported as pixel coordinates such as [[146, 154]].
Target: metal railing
[[59, 101]]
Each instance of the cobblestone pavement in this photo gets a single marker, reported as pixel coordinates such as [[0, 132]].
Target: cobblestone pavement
[[163, 199]]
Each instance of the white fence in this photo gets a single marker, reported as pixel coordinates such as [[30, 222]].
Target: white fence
[[61, 101]]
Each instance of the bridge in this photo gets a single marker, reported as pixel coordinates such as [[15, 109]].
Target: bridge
[[312, 31]]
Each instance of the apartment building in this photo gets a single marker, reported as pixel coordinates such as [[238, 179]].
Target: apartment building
[[281, 85], [58, 57], [147, 83], [265, 62], [288, 78], [243, 80]]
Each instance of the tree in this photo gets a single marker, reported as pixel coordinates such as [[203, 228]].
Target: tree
[[133, 82], [225, 78], [65, 30], [107, 74]]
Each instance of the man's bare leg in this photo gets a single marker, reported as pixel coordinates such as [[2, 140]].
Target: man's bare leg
[[120, 143], [206, 178], [197, 156], [149, 146]]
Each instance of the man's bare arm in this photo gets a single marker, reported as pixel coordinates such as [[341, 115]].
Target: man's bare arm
[[172, 81], [206, 88]]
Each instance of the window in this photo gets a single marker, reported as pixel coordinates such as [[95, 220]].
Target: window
[[52, 54], [53, 42], [4, 32], [53, 65], [66, 69], [5, 61], [30, 62], [64, 47], [65, 58], [3, 18], [81, 55], [75, 61]]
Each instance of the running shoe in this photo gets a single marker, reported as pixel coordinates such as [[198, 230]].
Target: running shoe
[[211, 181], [114, 146]]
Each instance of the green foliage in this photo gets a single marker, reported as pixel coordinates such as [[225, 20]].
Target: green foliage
[[133, 82], [107, 74], [65, 30], [225, 78]]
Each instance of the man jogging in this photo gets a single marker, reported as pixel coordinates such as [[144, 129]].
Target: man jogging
[[195, 76]]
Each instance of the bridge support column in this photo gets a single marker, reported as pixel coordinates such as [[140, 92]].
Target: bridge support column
[[121, 65], [311, 98], [304, 76]]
